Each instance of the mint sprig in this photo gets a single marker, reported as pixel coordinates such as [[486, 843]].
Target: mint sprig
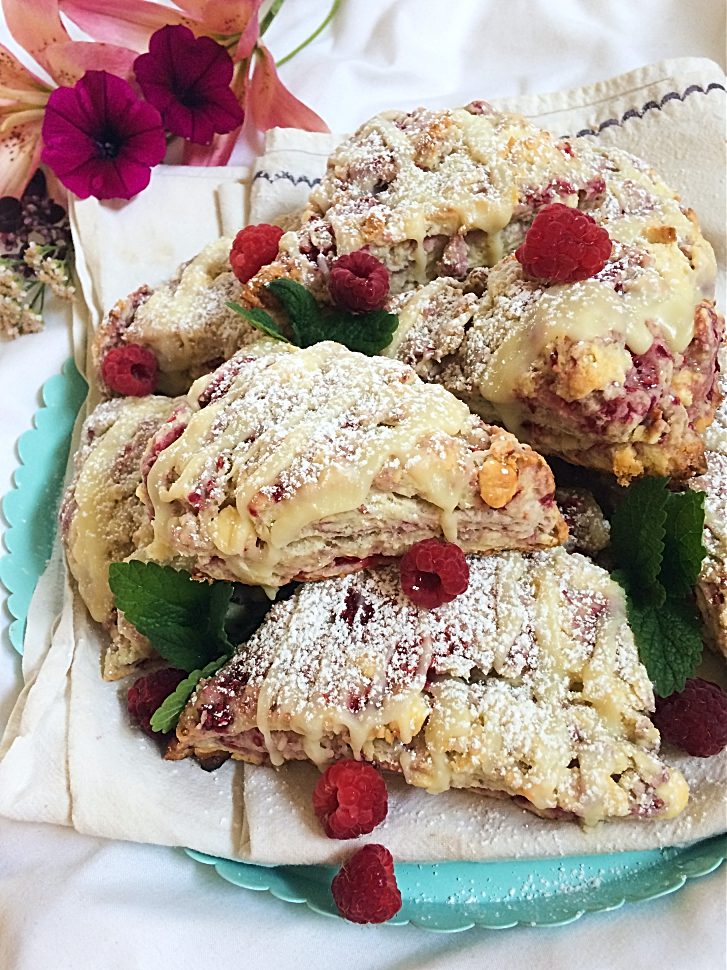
[[656, 543], [165, 717], [183, 619], [310, 323], [260, 320]]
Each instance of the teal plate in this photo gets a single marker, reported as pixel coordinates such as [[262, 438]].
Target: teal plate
[[447, 897]]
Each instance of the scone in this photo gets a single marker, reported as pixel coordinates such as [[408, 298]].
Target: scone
[[616, 372], [185, 323], [528, 685], [103, 521], [302, 464]]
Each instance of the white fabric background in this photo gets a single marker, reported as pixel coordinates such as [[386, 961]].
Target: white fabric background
[[71, 901]]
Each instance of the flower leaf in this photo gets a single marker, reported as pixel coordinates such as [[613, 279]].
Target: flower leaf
[[183, 618], [165, 717], [260, 320]]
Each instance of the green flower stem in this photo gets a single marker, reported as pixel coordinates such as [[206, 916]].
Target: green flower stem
[[321, 27], [270, 15]]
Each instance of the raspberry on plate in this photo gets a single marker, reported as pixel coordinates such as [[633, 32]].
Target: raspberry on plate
[[147, 693], [433, 572], [365, 889], [253, 248], [358, 282], [695, 719], [350, 799], [564, 245], [130, 370]]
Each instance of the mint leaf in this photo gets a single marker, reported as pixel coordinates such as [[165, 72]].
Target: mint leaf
[[303, 312], [259, 319], [638, 527], [165, 717], [683, 546], [183, 618], [368, 333], [669, 641]]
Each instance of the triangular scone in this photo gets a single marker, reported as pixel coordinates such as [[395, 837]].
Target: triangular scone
[[103, 521], [616, 372], [311, 463], [528, 684], [186, 322]]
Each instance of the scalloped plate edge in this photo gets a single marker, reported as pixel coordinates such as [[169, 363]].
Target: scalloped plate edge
[[61, 396], [679, 872]]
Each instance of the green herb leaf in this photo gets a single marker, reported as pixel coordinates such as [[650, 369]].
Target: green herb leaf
[[165, 717], [638, 527], [669, 641], [183, 618], [367, 333], [303, 312], [259, 319], [656, 542], [683, 546]]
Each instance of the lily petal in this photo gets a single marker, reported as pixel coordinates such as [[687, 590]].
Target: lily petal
[[35, 25], [270, 103], [19, 157], [248, 39], [217, 153], [13, 74], [127, 22], [69, 62], [222, 16]]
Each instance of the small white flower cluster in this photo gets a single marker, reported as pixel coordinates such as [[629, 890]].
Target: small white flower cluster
[[49, 270], [22, 293]]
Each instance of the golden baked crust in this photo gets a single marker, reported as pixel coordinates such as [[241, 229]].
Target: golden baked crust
[[103, 521], [528, 684], [300, 464]]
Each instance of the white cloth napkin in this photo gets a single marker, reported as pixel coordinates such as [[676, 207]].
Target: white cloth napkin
[[114, 784]]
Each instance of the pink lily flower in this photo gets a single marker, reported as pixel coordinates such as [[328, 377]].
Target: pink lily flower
[[37, 27], [234, 24]]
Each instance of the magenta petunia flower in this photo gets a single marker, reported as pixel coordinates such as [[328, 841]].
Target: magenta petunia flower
[[187, 79], [100, 138]]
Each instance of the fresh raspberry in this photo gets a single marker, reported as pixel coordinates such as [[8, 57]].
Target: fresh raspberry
[[253, 248], [350, 799], [130, 369], [695, 719], [358, 282], [147, 693], [564, 245], [433, 572], [365, 889]]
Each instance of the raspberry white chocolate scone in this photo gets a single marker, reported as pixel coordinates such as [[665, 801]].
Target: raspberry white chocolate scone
[[302, 464], [597, 343], [103, 521], [528, 685], [185, 323]]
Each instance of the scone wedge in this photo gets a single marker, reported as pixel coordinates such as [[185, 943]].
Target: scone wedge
[[103, 520], [528, 685], [303, 464]]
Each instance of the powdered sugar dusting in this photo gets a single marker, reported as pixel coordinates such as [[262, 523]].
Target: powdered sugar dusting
[[528, 683]]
